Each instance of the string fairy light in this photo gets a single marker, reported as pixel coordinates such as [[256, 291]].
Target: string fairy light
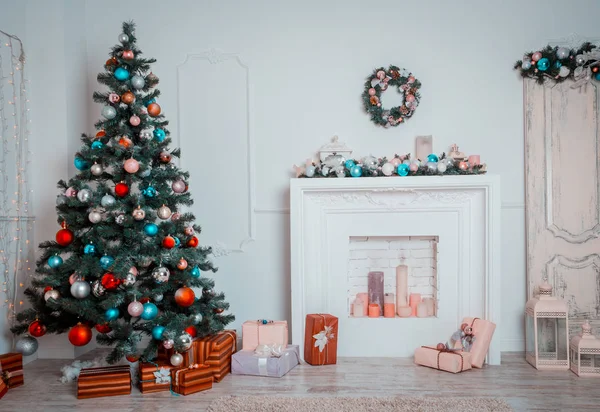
[[16, 221]]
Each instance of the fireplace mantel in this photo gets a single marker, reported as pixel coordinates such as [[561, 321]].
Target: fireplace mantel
[[463, 210]]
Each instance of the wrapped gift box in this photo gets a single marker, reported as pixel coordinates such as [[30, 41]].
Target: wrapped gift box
[[155, 377], [255, 333], [216, 351], [483, 330], [3, 388], [320, 339], [195, 378], [11, 369], [249, 363], [444, 360], [104, 381]]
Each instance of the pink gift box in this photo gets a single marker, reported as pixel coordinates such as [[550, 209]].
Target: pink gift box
[[449, 361], [483, 330], [256, 333]]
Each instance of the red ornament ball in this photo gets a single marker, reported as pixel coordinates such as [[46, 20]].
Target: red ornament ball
[[192, 242], [191, 330], [165, 157], [185, 297], [47, 288], [121, 189], [103, 328], [168, 242], [37, 329], [153, 109], [111, 62], [144, 300], [80, 335], [440, 346], [132, 357], [110, 282], [64, 237], [219, 310], [101, 133]]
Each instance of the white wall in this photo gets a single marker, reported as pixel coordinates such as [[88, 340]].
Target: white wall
[[307, 63]]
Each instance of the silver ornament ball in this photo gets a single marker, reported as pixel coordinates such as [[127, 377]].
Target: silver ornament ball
[[138, 82], [158, 297], [340, 171], [562, 53], [310, 171], [183, 341], [178, 186], [123, 38], [120, 219], [370, 162], [96, 169], [84, 195], [164, 212], [176, 359], [196, 318], [109, 112], [138, 214], [107, 201], [441, 167], [161, 274], [580, 59], [129, 279], [168, 344], [80, 289], [95, 216], [51, 294], [27, 345], [145, 134], [432, 166]]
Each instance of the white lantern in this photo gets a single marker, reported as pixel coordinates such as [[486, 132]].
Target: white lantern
[[333, 150], [585, 353], [547, 331]]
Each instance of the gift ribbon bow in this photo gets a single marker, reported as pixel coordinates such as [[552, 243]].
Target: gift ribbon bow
[[160, 378], [446, 350], [268, 351]]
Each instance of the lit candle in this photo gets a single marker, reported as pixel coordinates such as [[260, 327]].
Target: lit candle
[[430, 306], [389, 310], [364, 297], [401, 286], [376, 289], [422, 310], [374, 310]]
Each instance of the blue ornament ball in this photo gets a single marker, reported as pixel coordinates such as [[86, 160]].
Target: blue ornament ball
[[264, 321], [121, 74], [543, 64], [150, 311], [55, 261], [149, 102], [159, 134], [150, 229], [97, 144], [597, 76], [195, 272], [89, 249], [149, 191], [106, 261], [157, 332], [81, 164], [177, 241], [349, 164], [111, 314], [403, 169], [557, 65], [356, 171], [432, 158]]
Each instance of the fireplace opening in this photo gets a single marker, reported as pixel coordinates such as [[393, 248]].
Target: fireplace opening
[[392, 276]]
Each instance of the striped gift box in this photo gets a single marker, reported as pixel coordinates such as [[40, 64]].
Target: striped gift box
[[104, 381], [195, 378], [11, 370]]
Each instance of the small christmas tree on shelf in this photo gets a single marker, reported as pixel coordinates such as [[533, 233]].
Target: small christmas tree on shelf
[[126, 258]]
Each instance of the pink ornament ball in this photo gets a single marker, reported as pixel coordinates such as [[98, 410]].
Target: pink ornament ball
[[372, 92], [134, 120], [189, 231], [381, 75], [413, 167], [168, 344], [410, 98], [74, 278], [378, 104], [71, 192], [463, 166], [178, 186], [131, 166], [536, 56], [395, 161], [114, 98], [175, 216], [135, 309], [133, 270]]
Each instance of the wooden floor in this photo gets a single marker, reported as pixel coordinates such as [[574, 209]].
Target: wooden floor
[[523, 387]]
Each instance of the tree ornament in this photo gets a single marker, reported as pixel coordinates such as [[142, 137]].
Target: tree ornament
[[562, 53], [526, 65], [111, 62], [131, 165], [463, 166], [196, 318], [543, 64], [536, 56], [159, 135], [26, 345], [191, 330], [165, 157], [218, 310], [37, 329], [178, 186], [150, 311], [80, 289], [168, 242], [185, 297], [356, 171], [80, 335], [128, 97], [188, 231], [121, 74], [101, 133], [107, 201], [387, 169], [71, 192], [164, 212], [111, 314], [84, 195], [96, 169], [432, 158], [109, 112], [51, 294], [208, 292], [134, 120], [150, 191], [114, 98], [195, 272], [138, 214], [110, 282], [120, 219], [127, 55], [97, 145], [123, 38], [121, 189], [192, 242], [146, 172], [157, 332], [135, 309], [158, 297], [183, 342], [168, 344], [161, 274], [89, 249], [402, 169], [152, 77], [64, 237], [95, 216], [182, 264], [432, 166], [150, 229], [153, 109], [103, 328], [441, 167], [97, 289], [580, 60], [132, 357], [129, 280], [176, 359], [55, 261], [310, 171], [175, 217], [81, 164], [106, 261], [138, 82], [74, 278]]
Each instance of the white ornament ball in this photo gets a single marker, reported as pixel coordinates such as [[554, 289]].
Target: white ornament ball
[[129, 280], [526, 65], [96, 169], [432, 166], [80, 289], [95, 216], [161, 274], [51, 294], [564, 71], [135, 309], [178, 186], [168, 344], [324, 171], [176, 359], [109, 112], [310, 171], [441, 167], [138, 82], [340, 171], [164, 212], [562, 53], [387, 169], [138, 214], [107, 201], [158, 297], [84, 195]]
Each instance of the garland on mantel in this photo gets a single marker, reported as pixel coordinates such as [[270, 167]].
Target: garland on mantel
[[370, 166]]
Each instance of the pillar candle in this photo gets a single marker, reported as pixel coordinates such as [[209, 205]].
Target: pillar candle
[[389, 298], [430, 306], [376, 289], [365, 302], [404, 311], [474, 160], [358, 308], [374, 310], [414, 300], [389, 310], [401, 286], [422, 310]]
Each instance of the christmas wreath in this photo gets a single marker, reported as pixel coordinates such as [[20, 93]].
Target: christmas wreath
[[378, 83]]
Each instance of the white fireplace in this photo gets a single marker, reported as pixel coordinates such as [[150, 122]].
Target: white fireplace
[[459, 214]]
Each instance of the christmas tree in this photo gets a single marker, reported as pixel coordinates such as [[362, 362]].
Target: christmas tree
[[127, 256]]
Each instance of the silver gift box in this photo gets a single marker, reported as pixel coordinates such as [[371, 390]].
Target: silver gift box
[[249, 363]]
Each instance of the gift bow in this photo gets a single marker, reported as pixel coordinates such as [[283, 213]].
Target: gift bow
[[275, 350], [323, 337], [163, 375]]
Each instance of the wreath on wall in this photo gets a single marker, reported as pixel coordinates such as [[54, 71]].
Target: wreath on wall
[[378, 82]]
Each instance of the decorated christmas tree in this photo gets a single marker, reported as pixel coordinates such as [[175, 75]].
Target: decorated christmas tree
[[127, 256]]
